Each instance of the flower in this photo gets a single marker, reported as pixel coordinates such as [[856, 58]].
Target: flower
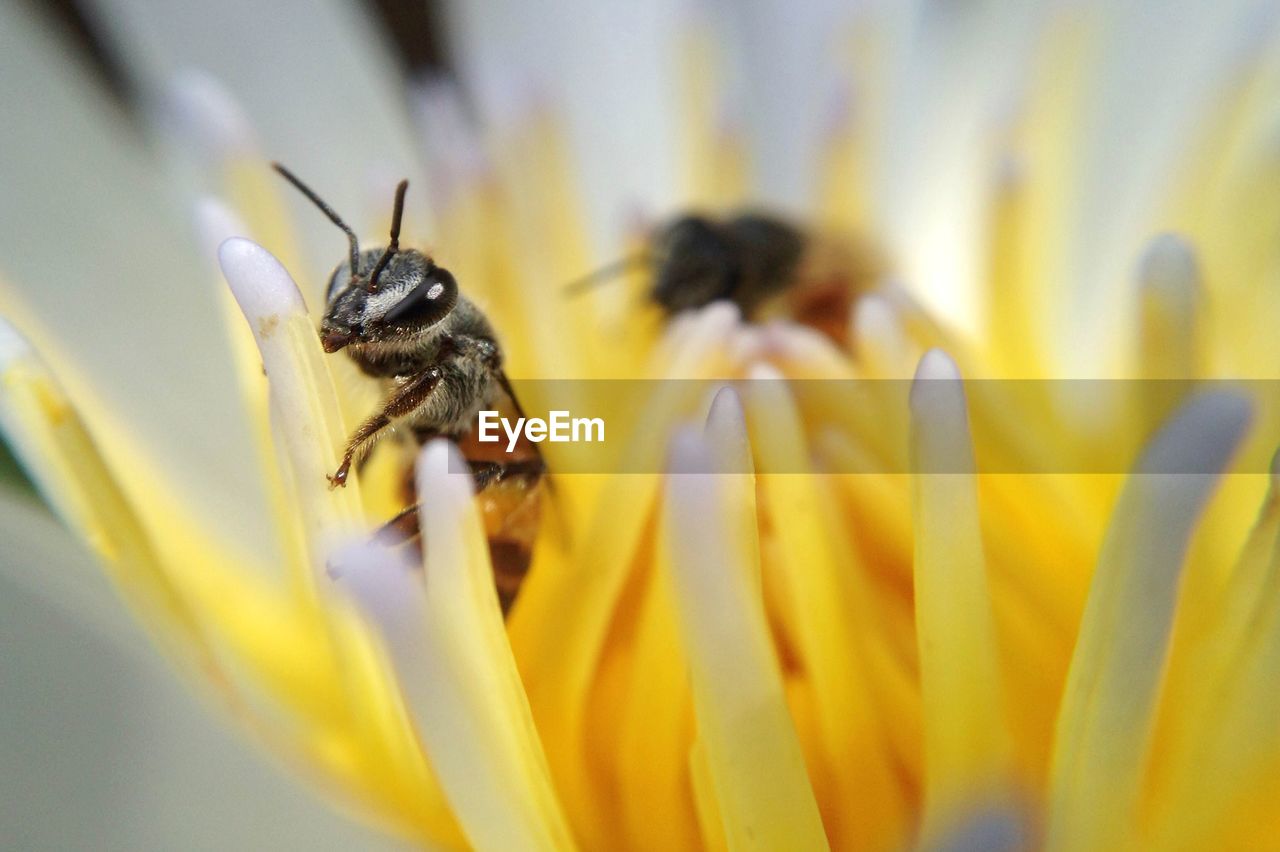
[[750, 643]]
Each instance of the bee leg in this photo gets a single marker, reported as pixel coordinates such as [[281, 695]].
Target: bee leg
[[355, 445], [509, 390], [402, 402]]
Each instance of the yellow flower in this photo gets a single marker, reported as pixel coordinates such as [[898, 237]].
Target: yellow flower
[[929, 618]]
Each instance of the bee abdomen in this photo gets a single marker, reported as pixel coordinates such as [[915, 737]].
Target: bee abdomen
[[511, 560]]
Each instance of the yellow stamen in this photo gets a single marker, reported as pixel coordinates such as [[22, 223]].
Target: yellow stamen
[[966, 741], [1105, 723], [1168, 346], [753, 755], [560, 650], [830, 611]]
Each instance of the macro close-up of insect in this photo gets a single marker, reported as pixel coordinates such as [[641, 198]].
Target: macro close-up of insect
[[402, 320], [934, 344]]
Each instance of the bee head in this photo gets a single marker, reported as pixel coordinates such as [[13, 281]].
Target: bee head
[[383, 295], [698, 264], [412, 296]]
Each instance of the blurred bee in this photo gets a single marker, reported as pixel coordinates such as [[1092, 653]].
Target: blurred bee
[[765, 265], [400, 317]]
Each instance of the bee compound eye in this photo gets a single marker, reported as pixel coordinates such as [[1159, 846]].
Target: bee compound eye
[[428, 302]]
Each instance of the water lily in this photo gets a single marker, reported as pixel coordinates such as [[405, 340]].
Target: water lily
[[771, 637]]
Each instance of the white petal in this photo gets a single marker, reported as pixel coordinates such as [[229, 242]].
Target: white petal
[[586, 59], [317, 84], [115, 751], [1161, 71], [43, 559], [104, 276], [932, 104], [785, 66]]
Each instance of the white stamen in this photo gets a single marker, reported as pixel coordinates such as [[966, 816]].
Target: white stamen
[[1105, 724], [1169, 263], [204, 113], [878, 337], [937, 398], [1200, 438], [720, 314], [966, 746], [752, 751], [695, 343], [457, 669], [1169, 290], [727, 430], [763, 371], [304, 405], [872, 316], [799, 342], [936, 365], [745, 344], [260, 283]]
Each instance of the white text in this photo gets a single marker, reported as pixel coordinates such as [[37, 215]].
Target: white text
[[559, 428]]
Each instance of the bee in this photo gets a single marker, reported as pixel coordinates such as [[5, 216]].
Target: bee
[[767, 266], [402, 319]]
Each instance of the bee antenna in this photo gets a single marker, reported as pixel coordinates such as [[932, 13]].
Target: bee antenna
[[328, 211], [610, 271], [396, 213]]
